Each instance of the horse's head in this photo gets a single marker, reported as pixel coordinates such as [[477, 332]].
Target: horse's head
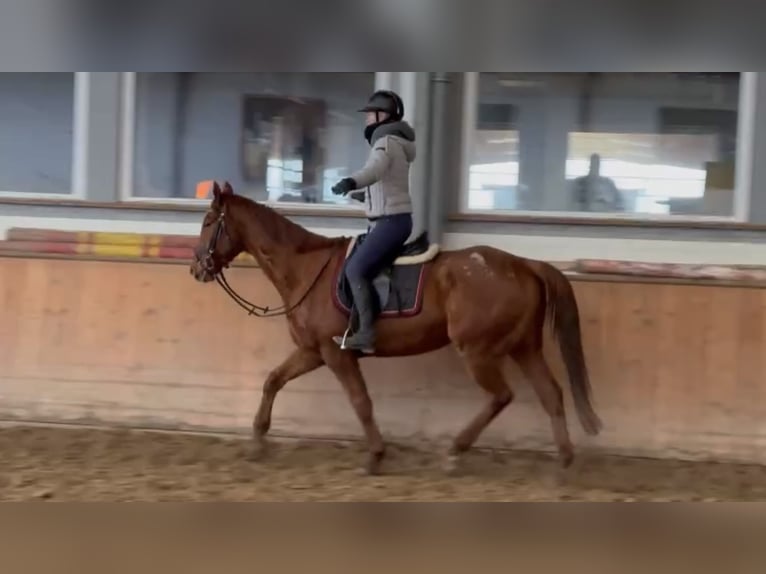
[[219, 240]]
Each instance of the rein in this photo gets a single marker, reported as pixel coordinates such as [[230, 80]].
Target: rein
[[265, 312], [251, 308]]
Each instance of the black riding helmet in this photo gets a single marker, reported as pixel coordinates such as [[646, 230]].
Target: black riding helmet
[[385, 101]]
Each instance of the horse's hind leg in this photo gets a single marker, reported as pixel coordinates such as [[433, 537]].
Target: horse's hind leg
[[538, 373], [488, 374]]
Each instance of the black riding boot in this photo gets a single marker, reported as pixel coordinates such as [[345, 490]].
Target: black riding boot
[[364, 338]]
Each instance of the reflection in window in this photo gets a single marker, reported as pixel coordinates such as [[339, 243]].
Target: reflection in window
[[653, 173], [640, 143], [37, 119], [280, 148], [281, 137], [494, 168]]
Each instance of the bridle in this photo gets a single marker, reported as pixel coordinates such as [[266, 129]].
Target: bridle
[[208, 264]]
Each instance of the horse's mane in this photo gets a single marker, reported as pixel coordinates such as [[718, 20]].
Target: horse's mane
[[279, 228]]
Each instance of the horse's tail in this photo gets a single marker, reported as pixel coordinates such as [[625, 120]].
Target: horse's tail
[[561, 308]]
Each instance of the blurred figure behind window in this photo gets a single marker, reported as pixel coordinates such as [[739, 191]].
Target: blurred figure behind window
[[594, 192]]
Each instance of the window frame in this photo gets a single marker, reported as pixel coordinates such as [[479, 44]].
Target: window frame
[[126, 163], [79, 172], [743, 187]]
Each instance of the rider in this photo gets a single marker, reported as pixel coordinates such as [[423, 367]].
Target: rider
[[388, 205]]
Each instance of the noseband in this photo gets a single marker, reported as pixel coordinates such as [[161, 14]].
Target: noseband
[[208, 264]]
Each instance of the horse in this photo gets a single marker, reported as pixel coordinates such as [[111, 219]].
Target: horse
[[487, 303]]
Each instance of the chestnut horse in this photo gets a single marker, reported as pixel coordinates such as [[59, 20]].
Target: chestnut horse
[[487, 303]]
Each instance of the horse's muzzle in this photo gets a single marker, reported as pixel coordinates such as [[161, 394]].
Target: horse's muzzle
[[201, 272]]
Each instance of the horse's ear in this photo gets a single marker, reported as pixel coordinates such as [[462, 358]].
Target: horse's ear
[[217, 196], [227, 188]]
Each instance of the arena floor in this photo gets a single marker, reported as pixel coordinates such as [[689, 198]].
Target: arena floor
[[83, 464]]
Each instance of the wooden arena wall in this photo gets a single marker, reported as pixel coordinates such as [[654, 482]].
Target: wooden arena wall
[[677, 362]]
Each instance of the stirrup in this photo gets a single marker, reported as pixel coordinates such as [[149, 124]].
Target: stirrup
[[344, 338], [341, 342]]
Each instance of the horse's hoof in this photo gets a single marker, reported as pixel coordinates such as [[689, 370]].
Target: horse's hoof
[[256, 455], [259, 451], [451, 465], [373, 466], [566, 457], [369, 470]]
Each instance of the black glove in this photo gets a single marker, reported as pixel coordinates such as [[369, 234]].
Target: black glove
[[344, 186]]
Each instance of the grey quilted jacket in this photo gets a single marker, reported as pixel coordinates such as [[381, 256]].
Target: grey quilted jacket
[[386, 175]]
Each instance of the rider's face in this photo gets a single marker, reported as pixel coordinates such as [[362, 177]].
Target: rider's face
[[375, 117]]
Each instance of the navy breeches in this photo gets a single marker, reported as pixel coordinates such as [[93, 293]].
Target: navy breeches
[[380, 248]]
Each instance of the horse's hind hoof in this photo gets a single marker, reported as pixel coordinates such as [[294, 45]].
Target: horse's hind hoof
[[259, 451], [373, 466], [566, 457], [256, 456], [451, 465]]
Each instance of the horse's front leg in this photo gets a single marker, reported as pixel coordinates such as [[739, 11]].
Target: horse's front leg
[[345, 366], [300, 362]]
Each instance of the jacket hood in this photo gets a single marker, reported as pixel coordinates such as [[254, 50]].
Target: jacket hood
[[403, 132]]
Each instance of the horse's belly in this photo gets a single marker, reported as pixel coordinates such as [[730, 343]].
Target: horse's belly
[[423, 333]]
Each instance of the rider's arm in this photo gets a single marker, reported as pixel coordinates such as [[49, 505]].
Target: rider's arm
[[376, 166]]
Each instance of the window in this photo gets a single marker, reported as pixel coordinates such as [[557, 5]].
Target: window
[[282, 137], [641, 144], [36, 132]]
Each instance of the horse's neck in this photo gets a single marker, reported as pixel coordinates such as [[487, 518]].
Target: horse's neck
[[286, 252], [271, 257], [271, 231], [294, 273]]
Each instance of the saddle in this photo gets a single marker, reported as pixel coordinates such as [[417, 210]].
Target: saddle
[[399, 287], [418, 250]]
